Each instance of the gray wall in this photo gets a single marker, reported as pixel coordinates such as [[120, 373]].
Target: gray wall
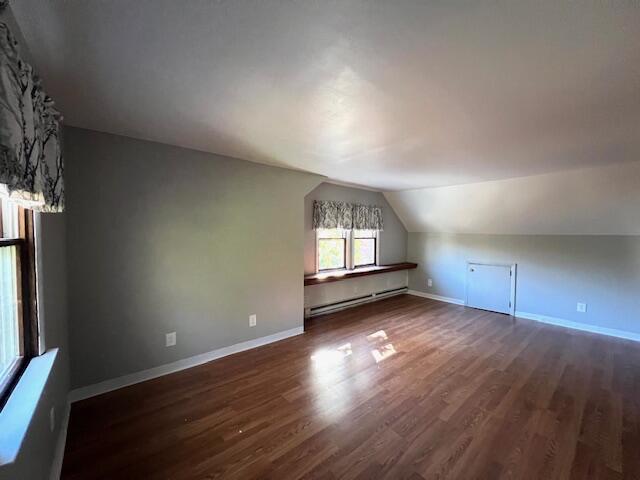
[[166, 239], [554, 272], [393, 240], [37, 450]]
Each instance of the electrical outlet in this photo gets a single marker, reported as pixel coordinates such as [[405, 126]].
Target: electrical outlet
[[581, 307], [52, 418], [170, 339], [429, 282], [253, 320]]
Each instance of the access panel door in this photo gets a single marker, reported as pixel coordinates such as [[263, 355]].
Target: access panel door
[[489, 287]]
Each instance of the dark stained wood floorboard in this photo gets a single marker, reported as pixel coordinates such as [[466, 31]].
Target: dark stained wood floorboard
[[404, 388]]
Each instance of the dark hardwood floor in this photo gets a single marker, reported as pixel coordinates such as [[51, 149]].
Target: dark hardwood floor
[[401, 388]]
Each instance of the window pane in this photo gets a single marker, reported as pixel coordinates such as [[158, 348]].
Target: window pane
[[9, 219], [10, 345], [331, 253], [335, 233], [364, 234], [364, 251]]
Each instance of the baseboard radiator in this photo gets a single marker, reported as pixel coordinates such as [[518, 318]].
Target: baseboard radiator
[[352, 302]]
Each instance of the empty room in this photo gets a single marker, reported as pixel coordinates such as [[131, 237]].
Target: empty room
[[305, 239]]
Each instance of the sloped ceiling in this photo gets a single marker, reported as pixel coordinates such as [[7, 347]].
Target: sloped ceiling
[[388, 94], [591, 201]]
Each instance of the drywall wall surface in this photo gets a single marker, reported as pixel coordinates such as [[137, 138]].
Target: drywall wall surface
[[164, 239], [554, 272]]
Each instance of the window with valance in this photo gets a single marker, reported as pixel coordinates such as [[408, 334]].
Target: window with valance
[[31, 170], [347, 234]]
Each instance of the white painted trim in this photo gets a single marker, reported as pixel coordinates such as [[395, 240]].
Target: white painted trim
[[512, 278], [137, 377], [348, 252], [40, 313], [585, 327], [456, 301], [58, 454], [559, 322], [19, 412]]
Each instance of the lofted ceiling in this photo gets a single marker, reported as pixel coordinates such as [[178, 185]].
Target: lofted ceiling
[[587, 201], [388, 94]]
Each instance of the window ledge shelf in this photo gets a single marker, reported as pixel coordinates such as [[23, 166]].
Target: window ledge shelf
[[19, 411], [336, 276]]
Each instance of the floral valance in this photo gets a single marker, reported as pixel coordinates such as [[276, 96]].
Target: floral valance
[[329, 214], [31, 164]]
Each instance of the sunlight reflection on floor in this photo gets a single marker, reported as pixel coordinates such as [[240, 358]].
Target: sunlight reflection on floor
[[377, 336], [332, 394], [332, 366], [325, 358], [383, 350]]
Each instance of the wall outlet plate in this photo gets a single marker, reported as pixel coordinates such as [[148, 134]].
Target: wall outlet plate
[[170, 339], [429, 282], [581, 307], [253, 319]]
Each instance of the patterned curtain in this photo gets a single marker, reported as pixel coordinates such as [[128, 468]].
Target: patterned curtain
[[367, 217], [328, 214], [31, 164]]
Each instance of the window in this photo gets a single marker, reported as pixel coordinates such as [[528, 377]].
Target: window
[[332, 249], [18, 326], [346, 249], [364, 247]]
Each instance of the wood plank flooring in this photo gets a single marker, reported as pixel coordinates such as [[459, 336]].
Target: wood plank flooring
[[404, 388]]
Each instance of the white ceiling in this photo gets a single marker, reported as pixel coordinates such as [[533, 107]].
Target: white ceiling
[[388, 94], [587, 201]]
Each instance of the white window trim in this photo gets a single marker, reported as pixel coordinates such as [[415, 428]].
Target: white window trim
[[350, 254], [376, 262]]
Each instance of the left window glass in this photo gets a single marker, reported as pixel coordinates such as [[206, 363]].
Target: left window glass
[[332, 249], [16, 224], [11, 346]]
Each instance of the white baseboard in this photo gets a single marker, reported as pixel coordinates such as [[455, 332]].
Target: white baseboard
[[137, 377], [585, 327], [58, 454], [560, 322], [440, 298]]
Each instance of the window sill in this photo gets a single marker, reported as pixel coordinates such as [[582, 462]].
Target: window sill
[[336, 276], [18, 413]]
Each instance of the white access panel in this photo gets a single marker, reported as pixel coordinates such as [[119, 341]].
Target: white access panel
[[491, 287]]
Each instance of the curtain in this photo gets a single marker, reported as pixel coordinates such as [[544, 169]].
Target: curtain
[[367, 217], [328, 214], [31, 164]]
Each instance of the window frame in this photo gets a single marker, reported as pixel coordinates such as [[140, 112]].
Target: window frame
[[349, 237], [375, 238], [347, 252], [27, 297]]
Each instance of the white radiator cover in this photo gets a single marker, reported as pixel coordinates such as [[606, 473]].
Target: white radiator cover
[[334, 307], [353, 288]]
